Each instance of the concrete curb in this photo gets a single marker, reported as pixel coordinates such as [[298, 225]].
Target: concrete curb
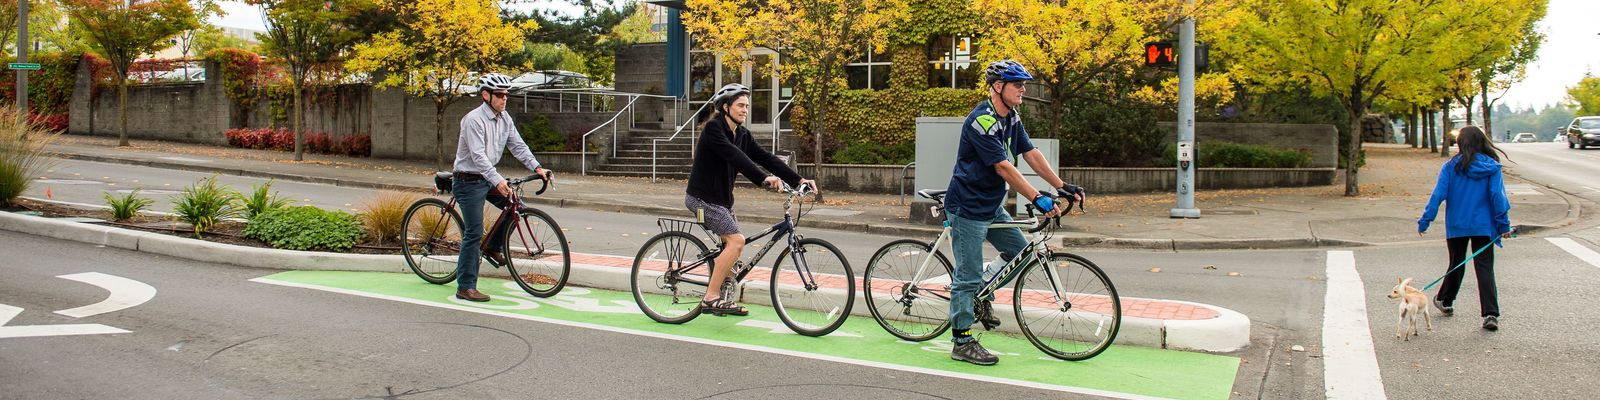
[[1229, 332]]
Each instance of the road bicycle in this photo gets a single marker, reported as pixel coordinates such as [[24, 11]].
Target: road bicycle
[[535, 249], [811, 284], [1064, 304]]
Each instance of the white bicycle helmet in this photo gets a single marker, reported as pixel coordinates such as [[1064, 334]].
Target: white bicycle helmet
[[494, 81], [731, 89]]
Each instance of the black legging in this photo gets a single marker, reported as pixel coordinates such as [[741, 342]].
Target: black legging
[[1483, 264]]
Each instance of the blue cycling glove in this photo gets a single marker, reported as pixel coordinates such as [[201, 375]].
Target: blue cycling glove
[[1044, 202]]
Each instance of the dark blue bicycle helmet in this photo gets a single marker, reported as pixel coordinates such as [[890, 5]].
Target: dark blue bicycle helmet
[[1006, 71]]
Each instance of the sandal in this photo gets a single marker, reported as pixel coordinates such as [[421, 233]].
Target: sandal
[[722, 307]]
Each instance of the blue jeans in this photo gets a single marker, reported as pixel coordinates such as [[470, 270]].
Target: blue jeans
[[470, 196], [966, 240]]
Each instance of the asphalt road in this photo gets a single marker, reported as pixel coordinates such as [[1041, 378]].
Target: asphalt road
[[211, 333]]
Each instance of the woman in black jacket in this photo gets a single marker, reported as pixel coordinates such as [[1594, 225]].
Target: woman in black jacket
[[725, 150]]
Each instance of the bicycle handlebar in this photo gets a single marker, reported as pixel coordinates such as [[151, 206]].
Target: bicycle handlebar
[[1067, 194], [535, 177]]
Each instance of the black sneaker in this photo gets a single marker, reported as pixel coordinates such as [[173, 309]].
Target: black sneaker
[[974, 353], [1491, 323], [985, 315], [1443, 309]]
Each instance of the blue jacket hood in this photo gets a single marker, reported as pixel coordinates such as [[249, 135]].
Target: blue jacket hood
[[1482, 167]]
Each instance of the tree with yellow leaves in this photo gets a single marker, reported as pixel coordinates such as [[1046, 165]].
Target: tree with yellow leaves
[[1356, 50], [436, 48], [814, 38]]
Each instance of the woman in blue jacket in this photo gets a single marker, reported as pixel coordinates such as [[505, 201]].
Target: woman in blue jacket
[[1476, 208]]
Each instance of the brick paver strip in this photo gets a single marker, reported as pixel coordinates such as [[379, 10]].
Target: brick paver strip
[[1132, 307]]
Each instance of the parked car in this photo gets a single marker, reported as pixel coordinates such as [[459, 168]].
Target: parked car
[[1583, 132], [551, 79], [1525, 137]]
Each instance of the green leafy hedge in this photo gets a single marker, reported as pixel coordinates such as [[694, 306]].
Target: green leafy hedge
[[306, 228], [1234, 155]]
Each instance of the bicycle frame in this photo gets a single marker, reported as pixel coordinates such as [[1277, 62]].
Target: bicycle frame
[[513, 208], [1032, 252], [783, 229]]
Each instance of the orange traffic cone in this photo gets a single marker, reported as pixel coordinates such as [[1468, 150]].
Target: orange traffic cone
[[47, 193]]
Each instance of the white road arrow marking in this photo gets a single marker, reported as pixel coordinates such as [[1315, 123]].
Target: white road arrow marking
[[8, 312], [125, 293], [779, 327]]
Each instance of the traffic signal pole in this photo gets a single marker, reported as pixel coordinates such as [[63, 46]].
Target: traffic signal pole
[[1186, 150], [22, 57]]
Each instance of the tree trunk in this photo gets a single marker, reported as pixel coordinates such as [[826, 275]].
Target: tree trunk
[[1446, 139], [299, 135], [1351, 183], [821, 129], [1433, 132], [1488, 124], [122, 110], [1468, 107], [1411, 122], [438, 134]]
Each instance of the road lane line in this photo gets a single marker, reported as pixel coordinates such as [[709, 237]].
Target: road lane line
[[1577, 250], [866, 363], [125, 293], [1349, 363]]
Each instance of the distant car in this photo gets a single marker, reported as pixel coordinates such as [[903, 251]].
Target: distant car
[[1583, 132], [1525, 137], [551, 79]]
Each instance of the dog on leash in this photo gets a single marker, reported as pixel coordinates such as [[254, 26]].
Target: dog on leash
[[1412, 302]]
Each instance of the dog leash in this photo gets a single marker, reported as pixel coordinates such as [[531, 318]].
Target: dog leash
[[1469, 258]]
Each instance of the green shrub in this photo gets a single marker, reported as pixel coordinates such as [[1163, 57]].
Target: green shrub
[[127, 206], [204, 204], [1235, 155], [22, 155], [306, 228], [260, 200], [872, 153], [541, 135]]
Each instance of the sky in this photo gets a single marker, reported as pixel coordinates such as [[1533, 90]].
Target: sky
[[1568, 53]]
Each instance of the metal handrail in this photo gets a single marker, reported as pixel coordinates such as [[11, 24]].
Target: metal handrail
[[654, 143], [903, 179], [583, 164], [777, 125]]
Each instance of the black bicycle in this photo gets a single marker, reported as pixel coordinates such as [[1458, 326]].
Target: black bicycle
[[811, 284], [536, 255]]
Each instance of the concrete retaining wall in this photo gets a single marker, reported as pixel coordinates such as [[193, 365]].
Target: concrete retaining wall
[[401, 125], [1321, 140], [886, 178]]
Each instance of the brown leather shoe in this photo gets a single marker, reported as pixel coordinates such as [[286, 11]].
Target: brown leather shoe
[[495, 257], [472, 295]]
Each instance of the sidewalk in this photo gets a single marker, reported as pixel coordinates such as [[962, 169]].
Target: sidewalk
[[1395, 185]]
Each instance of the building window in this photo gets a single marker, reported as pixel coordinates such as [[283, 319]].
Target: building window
[[871, 71], [702, 75], [954, 63]]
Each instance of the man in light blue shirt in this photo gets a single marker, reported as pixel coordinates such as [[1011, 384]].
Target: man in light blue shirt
[[486, 133]]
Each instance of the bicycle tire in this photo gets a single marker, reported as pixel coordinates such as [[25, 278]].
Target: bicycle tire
[[1078, 327], [888, 280], [538, 260], [661, 297], [431, 245], [818, 311]]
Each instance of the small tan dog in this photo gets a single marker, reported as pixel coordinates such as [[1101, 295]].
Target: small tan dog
[[1412, 302]]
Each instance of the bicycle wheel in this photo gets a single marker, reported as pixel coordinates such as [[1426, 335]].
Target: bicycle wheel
[[913, 308], [1075, 320], [536, 253], [669, 277], [432, 234], [812, 291]]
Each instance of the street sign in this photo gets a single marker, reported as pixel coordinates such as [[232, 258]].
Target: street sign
[[26, 66]]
